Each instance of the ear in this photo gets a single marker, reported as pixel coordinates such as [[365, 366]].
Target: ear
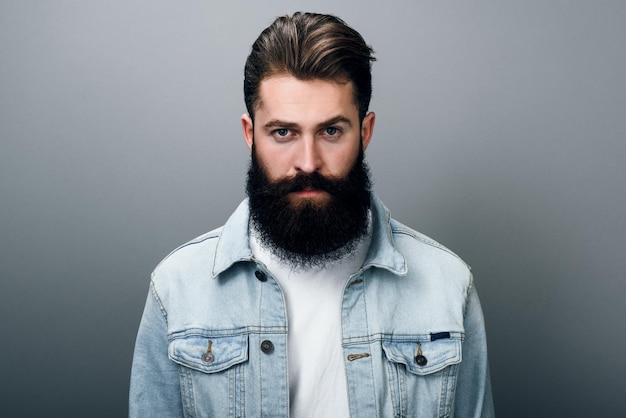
[[248, 129], [367, 129]]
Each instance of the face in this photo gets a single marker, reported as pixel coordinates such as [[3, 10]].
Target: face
[[308, 185], [304, 127]]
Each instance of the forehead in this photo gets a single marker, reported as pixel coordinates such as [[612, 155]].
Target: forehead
[[285, 94]]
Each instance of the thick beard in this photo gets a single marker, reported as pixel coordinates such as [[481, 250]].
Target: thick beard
[[310, 234]]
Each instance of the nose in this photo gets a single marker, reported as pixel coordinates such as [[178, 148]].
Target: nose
[[309, 159]]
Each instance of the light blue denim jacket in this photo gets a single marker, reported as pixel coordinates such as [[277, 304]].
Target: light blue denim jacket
[[213, 337]]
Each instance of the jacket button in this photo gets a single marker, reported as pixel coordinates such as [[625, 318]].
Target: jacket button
[[267, 347], [260, 275], [208, 358], [421, 360]]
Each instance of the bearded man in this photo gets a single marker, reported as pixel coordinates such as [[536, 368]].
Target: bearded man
[[310, 301]]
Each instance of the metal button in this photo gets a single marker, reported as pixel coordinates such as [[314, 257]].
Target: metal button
[[267, 347], [419, 357], [421, 360], [208, 357], [260, 275]]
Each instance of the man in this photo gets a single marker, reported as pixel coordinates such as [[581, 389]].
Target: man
[[310, 301]]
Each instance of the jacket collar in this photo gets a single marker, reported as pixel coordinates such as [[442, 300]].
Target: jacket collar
[[383, 252], [233, 244]]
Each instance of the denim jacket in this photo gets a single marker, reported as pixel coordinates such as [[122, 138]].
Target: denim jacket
[[213, 336]]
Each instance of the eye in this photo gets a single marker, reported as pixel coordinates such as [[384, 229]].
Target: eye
[[332, 131], [282, 134]]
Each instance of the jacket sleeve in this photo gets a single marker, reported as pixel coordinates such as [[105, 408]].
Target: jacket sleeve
[[154, 383], [473, 391]]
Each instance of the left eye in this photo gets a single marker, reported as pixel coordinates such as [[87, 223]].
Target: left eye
[[331, 131]]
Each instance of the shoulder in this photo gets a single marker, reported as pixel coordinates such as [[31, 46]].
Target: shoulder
[[417, 250], [426, 254], [204, 257], [405, 235], [191, 254], [200, 243]]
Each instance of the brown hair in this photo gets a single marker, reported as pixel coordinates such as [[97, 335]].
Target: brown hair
[[308, 46]]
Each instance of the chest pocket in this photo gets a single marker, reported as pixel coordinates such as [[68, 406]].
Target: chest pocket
[[422, 375], [211, 373]]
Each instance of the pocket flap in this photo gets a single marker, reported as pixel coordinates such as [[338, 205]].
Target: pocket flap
[[193, 351], [437, 354]]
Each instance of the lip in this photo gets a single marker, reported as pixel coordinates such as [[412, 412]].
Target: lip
[[309, 193]]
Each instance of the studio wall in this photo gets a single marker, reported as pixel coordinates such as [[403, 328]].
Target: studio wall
[[500, 132]]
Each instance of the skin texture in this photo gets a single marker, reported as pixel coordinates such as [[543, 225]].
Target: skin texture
[[304, 126]]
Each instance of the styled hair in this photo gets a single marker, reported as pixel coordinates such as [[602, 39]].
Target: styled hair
[[310, 46]]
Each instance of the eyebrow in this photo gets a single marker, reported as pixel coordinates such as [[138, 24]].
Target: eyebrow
[[336, 119], [290, 125], [274, 123]]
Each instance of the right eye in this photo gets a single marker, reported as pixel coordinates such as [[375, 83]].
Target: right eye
[[282, 134]]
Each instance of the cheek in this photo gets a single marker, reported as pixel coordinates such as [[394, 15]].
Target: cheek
[[341, 162], [273, 163]]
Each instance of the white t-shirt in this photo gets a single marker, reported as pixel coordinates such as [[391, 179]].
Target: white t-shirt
[[317, 378]]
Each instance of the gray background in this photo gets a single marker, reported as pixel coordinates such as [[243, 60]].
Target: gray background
[[500, 132]]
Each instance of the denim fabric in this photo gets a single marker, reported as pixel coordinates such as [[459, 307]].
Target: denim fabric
[[213, 337]]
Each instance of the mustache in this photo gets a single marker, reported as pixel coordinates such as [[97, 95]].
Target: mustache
[[349, 189], [303, 181]]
